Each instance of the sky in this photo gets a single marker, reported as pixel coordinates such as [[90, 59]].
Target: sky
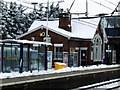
[[94, 6]]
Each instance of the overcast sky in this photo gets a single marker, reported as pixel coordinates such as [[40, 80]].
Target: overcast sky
[[94, 6]]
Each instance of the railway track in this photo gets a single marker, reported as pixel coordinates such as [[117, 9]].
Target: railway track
[[106, 85]]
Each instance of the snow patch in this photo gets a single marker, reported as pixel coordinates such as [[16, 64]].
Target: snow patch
[[86, 26], [53, 71], [60, 63]]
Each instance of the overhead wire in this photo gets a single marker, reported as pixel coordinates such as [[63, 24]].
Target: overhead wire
[[111, 2], [102, 5], [30, 3], [115, 9], [71, 5], [89, 22], [22, 1], [86, 23]]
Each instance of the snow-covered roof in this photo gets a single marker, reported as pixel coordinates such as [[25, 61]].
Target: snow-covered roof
[[85, 28], [52, 26], [24, 42], [82, 28]]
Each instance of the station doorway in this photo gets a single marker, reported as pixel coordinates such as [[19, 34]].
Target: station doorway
[[83, 56]]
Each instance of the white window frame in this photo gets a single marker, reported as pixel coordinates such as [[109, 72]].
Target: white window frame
[[97, 48], [57, 45]]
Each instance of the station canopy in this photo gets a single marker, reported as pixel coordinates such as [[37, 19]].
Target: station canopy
[[24, 42]]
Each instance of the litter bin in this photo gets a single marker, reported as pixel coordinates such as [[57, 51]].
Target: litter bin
[[59, 65]]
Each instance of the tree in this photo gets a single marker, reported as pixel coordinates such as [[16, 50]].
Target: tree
[[16, 22], [3, 9], [54, 11]]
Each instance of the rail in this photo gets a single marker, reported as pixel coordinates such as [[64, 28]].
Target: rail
[[112, 84]]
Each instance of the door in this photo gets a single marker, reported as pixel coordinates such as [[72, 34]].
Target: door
[[83, 58]]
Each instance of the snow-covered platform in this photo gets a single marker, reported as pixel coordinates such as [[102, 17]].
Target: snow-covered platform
[[66, 80]]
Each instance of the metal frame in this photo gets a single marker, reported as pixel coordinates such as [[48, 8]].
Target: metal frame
[[22, 43]]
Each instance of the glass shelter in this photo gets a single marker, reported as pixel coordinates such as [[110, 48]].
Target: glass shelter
[[22, 55]]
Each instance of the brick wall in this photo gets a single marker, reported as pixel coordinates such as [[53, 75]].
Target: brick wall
[[59, 39]]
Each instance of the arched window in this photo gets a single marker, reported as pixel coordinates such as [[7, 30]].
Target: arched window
[[97, 41]]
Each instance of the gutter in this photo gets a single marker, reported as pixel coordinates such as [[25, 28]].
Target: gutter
[[80, 39]]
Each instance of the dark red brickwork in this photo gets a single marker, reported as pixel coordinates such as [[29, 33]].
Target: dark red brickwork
[[67, 44]]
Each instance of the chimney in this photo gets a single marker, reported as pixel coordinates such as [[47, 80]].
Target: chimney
[[65, 21]]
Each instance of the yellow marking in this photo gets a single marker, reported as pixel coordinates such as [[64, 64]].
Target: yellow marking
[[11, 58]]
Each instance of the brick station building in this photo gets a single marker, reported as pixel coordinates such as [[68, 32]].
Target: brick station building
[[107, 39], [72, 40]]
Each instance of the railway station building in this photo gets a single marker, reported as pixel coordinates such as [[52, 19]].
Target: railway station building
[[72, 40], [108, 36], [81, 42]]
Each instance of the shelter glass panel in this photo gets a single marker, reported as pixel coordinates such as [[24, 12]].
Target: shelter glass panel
[[11, 57], [25, 58], [41, 57], [37, 55], [34, 59]]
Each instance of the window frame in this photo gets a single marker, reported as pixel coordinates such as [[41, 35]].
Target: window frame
[[56, 57], [97, 48]]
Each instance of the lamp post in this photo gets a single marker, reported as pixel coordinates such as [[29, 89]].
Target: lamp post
[[34, 3], [86, 13], [47, 38], [47, 20]]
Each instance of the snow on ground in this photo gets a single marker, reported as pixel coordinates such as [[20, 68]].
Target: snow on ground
[[53, 71]]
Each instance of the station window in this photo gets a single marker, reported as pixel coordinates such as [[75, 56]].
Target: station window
[[97, 48], [58, 51]]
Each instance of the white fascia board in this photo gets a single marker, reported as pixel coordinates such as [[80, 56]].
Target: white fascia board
[[24, 42], [42, 28], [39, 27], [57, 32], [58, 45]]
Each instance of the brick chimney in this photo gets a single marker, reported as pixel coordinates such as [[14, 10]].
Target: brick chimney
[[65, 21]]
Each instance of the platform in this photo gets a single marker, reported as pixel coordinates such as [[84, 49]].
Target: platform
[[65, 80]]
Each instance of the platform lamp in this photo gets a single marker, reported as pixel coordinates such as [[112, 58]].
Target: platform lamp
[[34, 3], [47, 38]]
